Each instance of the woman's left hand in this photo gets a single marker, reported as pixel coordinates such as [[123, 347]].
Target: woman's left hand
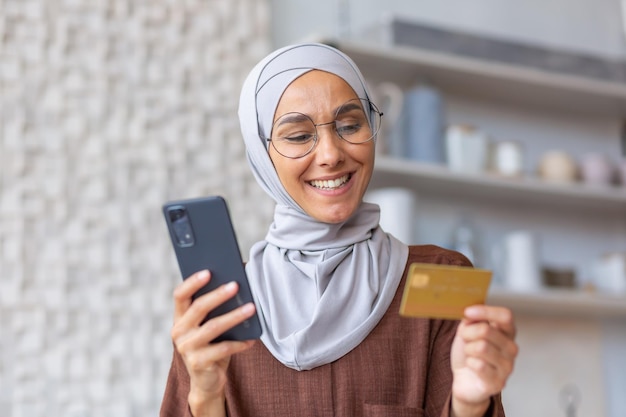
[[482, 358]]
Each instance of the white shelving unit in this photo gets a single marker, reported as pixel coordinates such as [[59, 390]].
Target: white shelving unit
[[489, 80], [438, 178], [561, 302], [554, 302], [515, 86]]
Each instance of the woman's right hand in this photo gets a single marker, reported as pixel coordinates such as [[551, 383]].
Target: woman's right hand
[[206, 362]]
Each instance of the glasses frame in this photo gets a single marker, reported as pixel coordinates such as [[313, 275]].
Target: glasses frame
[[372, 108]]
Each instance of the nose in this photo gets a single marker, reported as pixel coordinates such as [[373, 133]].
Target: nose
[[329, 150]]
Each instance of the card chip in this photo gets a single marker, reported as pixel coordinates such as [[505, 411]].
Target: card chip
[[419, 280]]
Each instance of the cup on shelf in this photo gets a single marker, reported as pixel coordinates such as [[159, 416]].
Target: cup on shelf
[[465, 239], [466, 149], [517, 261], [506, 158], [609, 273], [596, 169], [397, 211], [558, 166]]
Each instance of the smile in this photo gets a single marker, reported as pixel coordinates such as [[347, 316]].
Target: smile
[[331, 184]]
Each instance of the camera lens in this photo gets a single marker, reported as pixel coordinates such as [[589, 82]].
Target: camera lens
[[181, 226], [176, 214]]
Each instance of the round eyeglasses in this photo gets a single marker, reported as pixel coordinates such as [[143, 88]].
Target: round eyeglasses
[[294, 134]]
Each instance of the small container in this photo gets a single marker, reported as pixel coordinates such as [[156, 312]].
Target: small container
[[609, 273], [596, 169], [558, 166], [465, 240], [507, 158], [559, 278], [466, 149]]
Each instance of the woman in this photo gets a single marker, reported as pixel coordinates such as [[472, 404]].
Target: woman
[[327, 279]]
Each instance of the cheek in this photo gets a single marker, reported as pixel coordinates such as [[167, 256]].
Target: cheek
[[288, 170], [367, 156]]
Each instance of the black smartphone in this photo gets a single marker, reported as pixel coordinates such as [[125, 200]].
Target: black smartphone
[[203, 237]]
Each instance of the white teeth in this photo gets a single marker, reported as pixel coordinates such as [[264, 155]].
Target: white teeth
[[330, 184]]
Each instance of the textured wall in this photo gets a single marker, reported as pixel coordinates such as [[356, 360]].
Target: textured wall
[[107, 109]]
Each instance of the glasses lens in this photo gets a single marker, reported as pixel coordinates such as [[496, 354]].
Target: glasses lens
[[293, 135], [351, 121]]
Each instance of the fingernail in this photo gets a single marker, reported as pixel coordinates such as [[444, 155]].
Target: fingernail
[[247, 308], [230, 286], [202, 275], [473, 311]]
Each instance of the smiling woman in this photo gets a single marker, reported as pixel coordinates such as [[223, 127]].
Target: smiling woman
[[328, 279], [329, 183]]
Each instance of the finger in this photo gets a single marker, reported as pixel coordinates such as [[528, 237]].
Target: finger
[[204, 304], [491, 377], [500, 317], [215, 327], [490, 354], [198, 337], [186, 289], [494, 377], [481, 331], [204, 358]]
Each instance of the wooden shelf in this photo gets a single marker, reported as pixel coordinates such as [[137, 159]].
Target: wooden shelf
[[487, 79], [438, 179], [561, 302]]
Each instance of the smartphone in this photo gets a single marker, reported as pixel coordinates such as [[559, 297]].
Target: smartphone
[[203, 237]]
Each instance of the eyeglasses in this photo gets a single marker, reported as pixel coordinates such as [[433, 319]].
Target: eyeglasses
[[294, 134]]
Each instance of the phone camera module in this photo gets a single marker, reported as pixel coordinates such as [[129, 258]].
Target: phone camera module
[[181, 227]]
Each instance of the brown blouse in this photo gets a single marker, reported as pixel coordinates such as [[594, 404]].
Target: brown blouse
[[401, 369]]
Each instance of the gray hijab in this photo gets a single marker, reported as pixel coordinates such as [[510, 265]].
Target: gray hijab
[[320, 288]]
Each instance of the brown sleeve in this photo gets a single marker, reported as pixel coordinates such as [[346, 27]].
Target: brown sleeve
[[438, 389], [174, 402]]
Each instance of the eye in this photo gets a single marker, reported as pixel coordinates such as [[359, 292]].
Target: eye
[[293, 129], [348, 127], [298, 138]]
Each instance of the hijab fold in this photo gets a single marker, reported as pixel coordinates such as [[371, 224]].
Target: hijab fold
[[320, 288]]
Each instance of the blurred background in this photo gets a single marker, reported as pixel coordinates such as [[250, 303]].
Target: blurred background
[[503, 139]]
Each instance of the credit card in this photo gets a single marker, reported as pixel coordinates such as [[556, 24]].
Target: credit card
[[443, 291]]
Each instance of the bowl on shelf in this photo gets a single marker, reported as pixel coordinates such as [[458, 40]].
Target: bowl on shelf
[[558, 166], [558, 277], [596, 169]]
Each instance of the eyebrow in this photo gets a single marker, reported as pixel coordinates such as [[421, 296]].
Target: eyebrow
[[345, 108], [296, 117], [293, 118]]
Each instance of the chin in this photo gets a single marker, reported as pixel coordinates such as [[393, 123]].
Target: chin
[[334, 217]]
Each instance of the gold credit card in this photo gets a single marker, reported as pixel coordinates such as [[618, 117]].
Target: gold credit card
[[443, 291]]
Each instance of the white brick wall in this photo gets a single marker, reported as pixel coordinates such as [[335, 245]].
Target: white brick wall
[[108, 108]]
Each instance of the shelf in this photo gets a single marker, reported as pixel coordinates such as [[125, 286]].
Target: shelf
[[487, 79], [438, 179], [561, 302], [481, 80]]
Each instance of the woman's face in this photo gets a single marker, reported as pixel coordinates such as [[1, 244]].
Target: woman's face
[[329, 182]]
